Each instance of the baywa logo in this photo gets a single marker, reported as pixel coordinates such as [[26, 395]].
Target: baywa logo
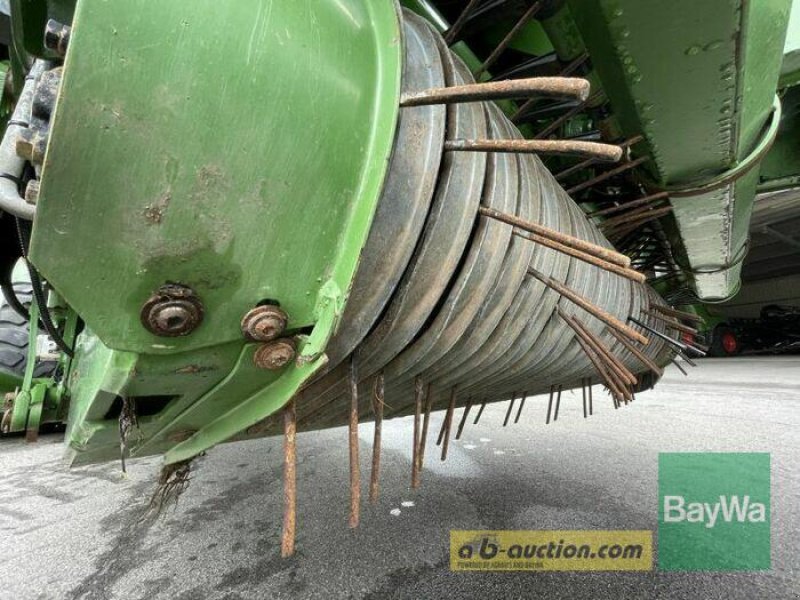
[[714, 511]]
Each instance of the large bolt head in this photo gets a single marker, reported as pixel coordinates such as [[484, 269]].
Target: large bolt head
[[264, 323], [174, 310], [276, 354]]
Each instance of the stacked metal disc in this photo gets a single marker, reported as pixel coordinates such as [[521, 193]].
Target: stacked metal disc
[[443, 293]]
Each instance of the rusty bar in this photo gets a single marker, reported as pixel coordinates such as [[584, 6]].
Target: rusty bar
[[589, 162], [583, 396], [609, 382], [634, 216], [670, 322], [455, 28], [521, 406], [463, 419], [510, 408], [608, 174], [636, 221], [558, 403], [591, 409], [550, 405], [568, 115], [418, 391], [289, 479], [638, 354], [680, 368], [503, 44], [562, 238], [588, 258], [449, 422], [554, 87], [620, 368], [568, 70], [612, 374], [679, 314], [424, 438], [600, 152], [599, 313], [480, 412], [652, 198], [377, 408], [355, 474]]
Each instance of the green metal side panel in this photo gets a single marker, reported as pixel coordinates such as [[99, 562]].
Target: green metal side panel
[[698, 80], [243, 160]]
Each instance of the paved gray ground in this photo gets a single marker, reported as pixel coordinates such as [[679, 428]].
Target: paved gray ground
[[75, 533]]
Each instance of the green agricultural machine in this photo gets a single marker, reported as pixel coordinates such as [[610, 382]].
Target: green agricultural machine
[[228, 220]]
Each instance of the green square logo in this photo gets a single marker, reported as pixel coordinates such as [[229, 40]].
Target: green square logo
[[714, 511]]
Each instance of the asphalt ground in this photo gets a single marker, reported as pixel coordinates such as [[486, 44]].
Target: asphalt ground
[[79, 533]]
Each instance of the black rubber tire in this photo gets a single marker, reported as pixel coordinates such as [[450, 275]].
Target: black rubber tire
[[718, 347], [14, 333]]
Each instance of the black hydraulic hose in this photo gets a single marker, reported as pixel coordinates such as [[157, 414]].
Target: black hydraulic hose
[[11, 299], [23, 229]]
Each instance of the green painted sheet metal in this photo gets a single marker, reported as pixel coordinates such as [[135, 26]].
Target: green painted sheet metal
[[698, 80], [245, 166]]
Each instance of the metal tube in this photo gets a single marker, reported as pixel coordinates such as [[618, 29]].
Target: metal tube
[[598, 151], [11, 164], [355, 474], [377, 408], [607, 175], [289, 479], [554, 87]]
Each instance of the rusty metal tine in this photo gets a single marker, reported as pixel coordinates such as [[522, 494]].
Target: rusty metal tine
[[553, 87], [588, 258], [583, 395], [510, 408], [521, 406], [355, 473], [595, 311], [558, 403], [503, 44], [377, 408], [562, 238], [591, 408], [289, 479], [480, 412], [568, 115], [415, 450], [680, 368], [550, 405], [634, 223], [670, 322], [613, 380], [643, 213], [449, 421], [630, 204], [674, 312], [568, 70], [638, 354], [658, 334], [620, 368], [424, 437], [608, 174], [453, 31], [463, 419], [597, 150], [589, 162]]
